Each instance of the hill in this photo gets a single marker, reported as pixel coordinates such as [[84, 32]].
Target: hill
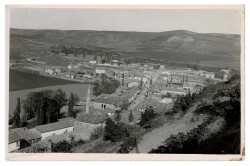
[[179, 45]]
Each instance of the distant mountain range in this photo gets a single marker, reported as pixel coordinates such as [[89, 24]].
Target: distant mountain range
[[179, 45]]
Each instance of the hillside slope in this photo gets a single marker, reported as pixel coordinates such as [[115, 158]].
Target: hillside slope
[[176, 45]]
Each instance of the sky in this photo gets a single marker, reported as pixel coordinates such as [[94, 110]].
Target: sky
[[144, 20]]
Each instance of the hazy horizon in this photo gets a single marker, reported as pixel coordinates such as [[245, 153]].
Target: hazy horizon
[[225, 21]]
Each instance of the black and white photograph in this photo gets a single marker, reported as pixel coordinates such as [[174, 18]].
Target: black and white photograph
[[165, 80]]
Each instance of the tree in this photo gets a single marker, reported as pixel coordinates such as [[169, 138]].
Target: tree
[[123, 79], [141, 83], [147, 115], [17, 120], [106, 86], [44, 105], [124, 105], [62, 147], [151, 81], [71, 103], [114, 132], [117, 116], [24, 120], [130, 117]]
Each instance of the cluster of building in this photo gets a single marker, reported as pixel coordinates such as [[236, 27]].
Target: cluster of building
[[92, 116], [160, 87]]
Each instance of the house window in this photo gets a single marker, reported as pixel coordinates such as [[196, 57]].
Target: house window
[[104, 106]]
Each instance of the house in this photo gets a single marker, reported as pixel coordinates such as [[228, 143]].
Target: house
[[14, 141], [131, 84], [105, 102], [166, 100], [70, 67], [58, 70], [100, 71], [92, 62], [164, 91], [209, 75], [57, 128], [225, 77], [21, 138], [187, 86], [50, 71], [225, 71], [151, 102], [162, 67], [166, 73], [115, 100]]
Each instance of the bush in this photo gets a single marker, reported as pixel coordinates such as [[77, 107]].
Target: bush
[[127, 145], [97, 133], [62, 147], [114, 131], [147, 115]]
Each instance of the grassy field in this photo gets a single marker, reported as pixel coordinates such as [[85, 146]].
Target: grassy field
[[19, 80]]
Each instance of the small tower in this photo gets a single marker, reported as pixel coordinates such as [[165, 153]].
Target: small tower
[[87, 100]]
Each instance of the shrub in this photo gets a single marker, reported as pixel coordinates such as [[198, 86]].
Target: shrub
[[147, 115], [127, 145], [114, 131], [62, 146], [97, 133]]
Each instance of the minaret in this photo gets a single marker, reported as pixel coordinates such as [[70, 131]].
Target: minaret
[[87, 100]]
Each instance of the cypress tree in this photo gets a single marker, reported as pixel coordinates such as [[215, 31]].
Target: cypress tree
[[17, 120], [130, 117]]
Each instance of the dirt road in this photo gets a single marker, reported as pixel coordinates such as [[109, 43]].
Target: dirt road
[[156, 137]]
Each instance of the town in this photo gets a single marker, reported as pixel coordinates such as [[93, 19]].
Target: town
[[120, 90]]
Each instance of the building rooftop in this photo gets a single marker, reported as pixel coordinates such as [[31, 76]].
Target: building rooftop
[[63, 123], [117, 98], [94, 116], [13, 137], [23, 133]]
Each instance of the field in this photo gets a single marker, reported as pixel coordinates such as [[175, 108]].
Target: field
[[20, 80]]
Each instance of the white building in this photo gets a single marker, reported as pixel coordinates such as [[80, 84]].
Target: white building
[[57, 128], [166, 73], [14, 142], [209, 74], [70, 67], [100, 71], [131, 84], [92, 62], [50, 71], [225, 77], [21, 138], [166, 100]]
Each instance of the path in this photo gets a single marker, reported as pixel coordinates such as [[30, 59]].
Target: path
[[156, 137]]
